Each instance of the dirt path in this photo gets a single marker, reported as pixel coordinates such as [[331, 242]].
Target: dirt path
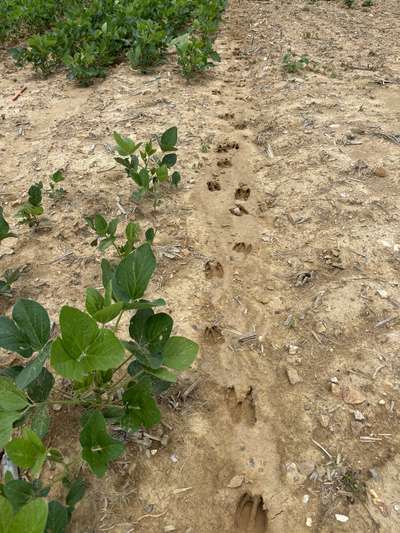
[[280, 254]]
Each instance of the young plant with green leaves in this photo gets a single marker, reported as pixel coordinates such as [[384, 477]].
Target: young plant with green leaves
[[56, 193], [114, 382], [106, 234], [292, 63], [32, 209], [10, 276], [148, 165], [195, 54]]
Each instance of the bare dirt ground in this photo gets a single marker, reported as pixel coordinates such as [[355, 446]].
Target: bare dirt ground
[[280, 254]]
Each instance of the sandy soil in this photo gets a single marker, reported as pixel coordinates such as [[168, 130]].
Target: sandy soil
[[293, 416]]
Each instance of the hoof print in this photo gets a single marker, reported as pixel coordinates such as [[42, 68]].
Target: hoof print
[[242, 192], [223, 163], [250, 516], [213, 269], [213, 185], [213, 334], [242, 247], [243, 410], [225, 147]]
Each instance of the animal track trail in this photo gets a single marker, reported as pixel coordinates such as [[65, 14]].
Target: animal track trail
[[242, 247], [241, 410], [213, 269], [250, 516], [242, 192], [213, 185]]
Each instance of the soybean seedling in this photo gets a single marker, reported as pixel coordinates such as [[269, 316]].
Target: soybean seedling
[[106, 234], [148, 165], [293, 64], [56, 193], [31, 210], [10, 276]]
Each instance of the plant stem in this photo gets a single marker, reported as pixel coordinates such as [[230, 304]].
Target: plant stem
[[115, 328]]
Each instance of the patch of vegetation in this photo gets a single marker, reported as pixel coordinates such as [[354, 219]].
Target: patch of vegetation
[[292, 63], [88, 37]]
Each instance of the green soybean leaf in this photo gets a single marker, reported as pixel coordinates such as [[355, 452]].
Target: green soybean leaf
[[162, 173], [57, 177], [98, 448], [105, 244], [94, 301], [108, 313], [27, 451], [162, 373], [112, 226], [33, 320], [11, 398], [179, 353], [175, 178], [35, 194], [6, 513], [132, 232], [39, 389], [158, 330], [76, 492], [40, 422], [31, 517], [149, 235], [169, 139], [133, 274], [125, 146], [169, 160], [19, 492], [107, 272], [7, 419], [141, 408], [137, 325], [58, 518], [100, 225], [4, 227], [13, 339], [83, 347], [33, 369], [144, 304]]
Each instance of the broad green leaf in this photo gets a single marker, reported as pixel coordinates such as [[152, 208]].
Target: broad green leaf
[[41, 420], [13, 339], [132, 232], [6, 513], [125, 146], [144, 304], [98, 448], [33, 369], [76, 492], [108, 313], [105, 244], [158, 330], [57, 177], [27, 451], [58, 518], [33, 320], [141, 408], [104, 351], [94, 301], [112, 226], [161, 373], [35, 194], [7, 419], [150, 234], [175, 178], [169, 160], [143, 355], [39, 389], [179, 353], [11, 398], [169, 139], [137, 325], [100, 225], [19, 492], [31, 518], [162, 173], [4, 227], [78, 331], [134, 273]]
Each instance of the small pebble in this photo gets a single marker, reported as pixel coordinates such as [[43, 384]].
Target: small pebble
[[358, 415], [293, 376], [173, 458], [342, 518], [309, 521], [382, 402], [306, 499]]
